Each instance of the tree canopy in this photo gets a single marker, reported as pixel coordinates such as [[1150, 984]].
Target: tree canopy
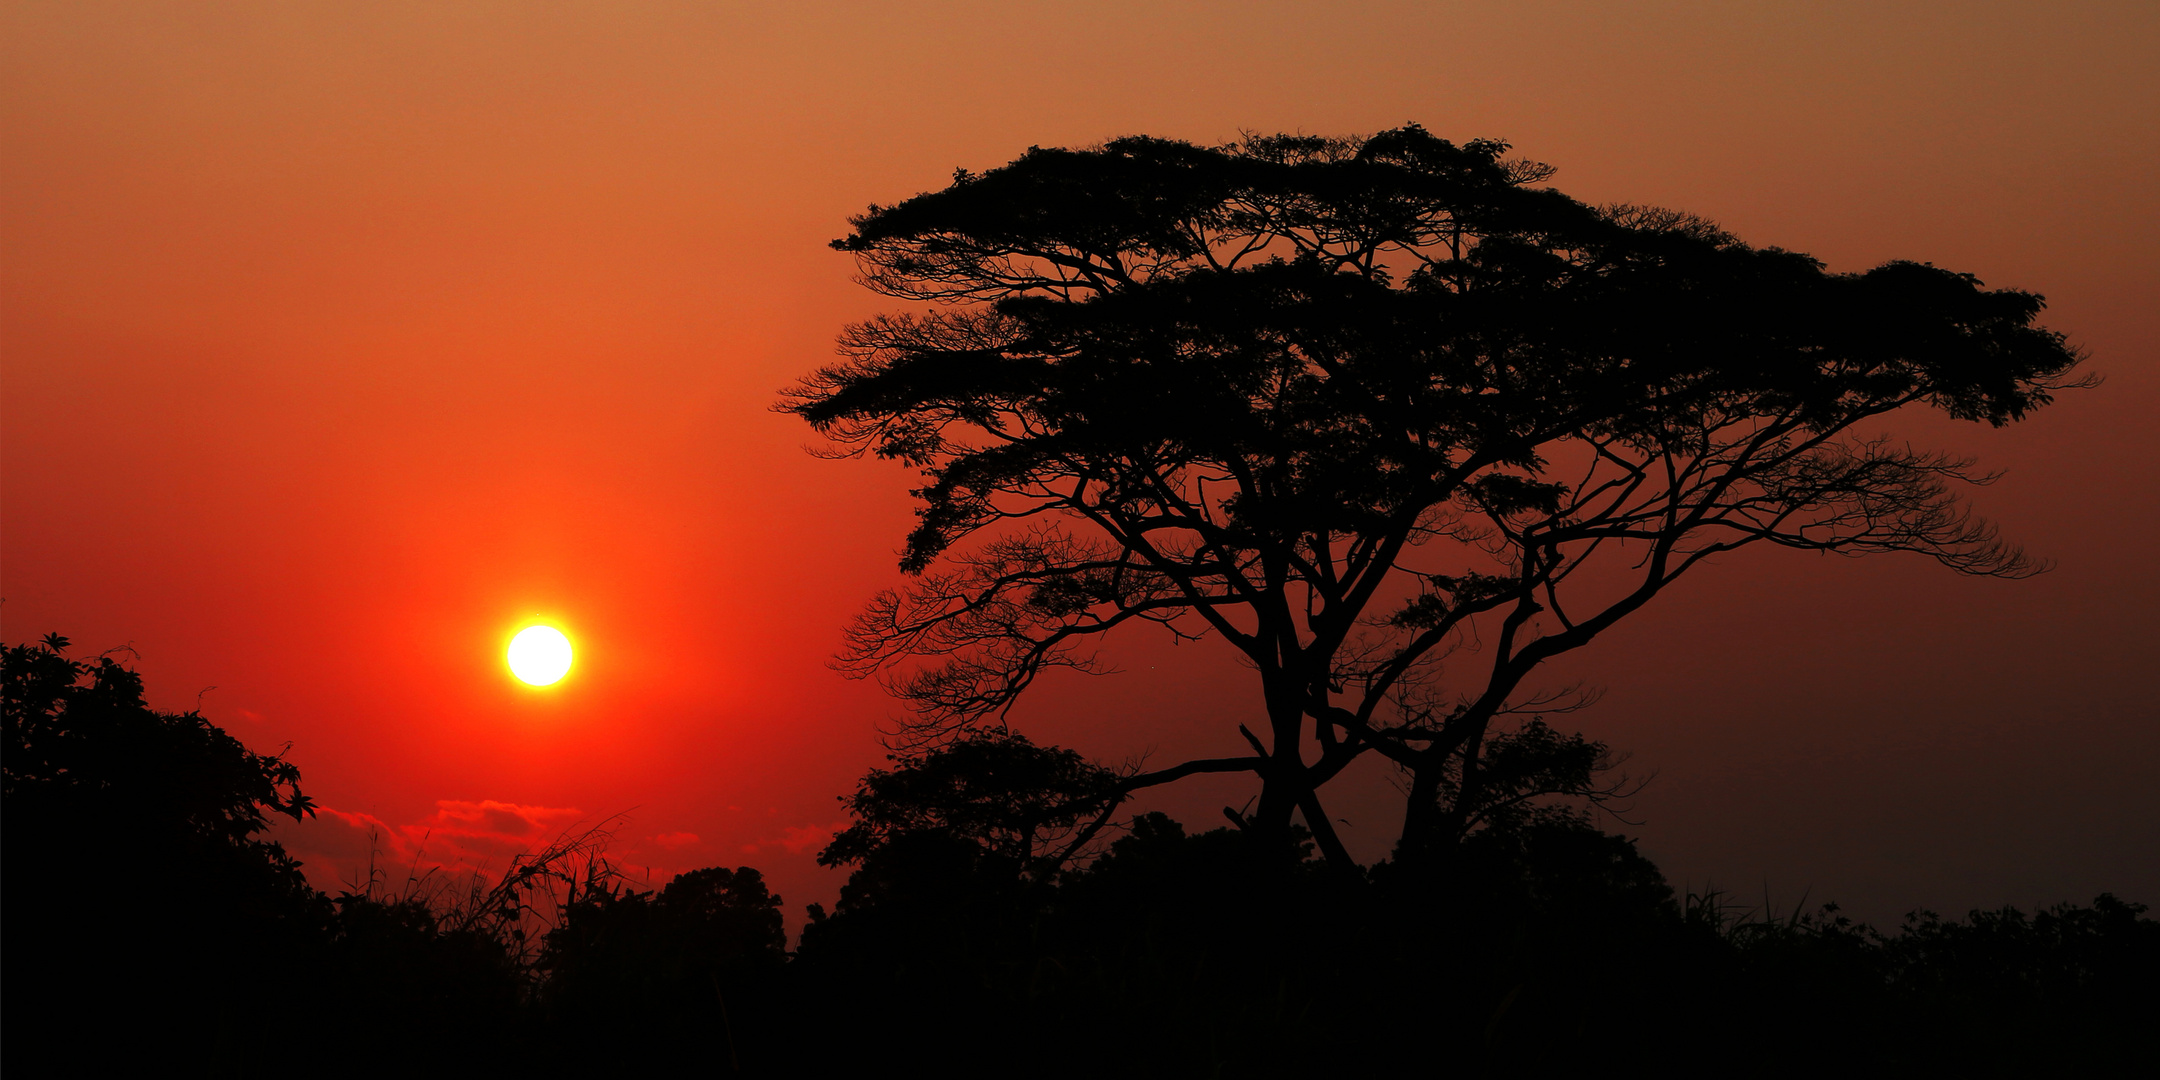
[[1009, 801], [1386, 414]]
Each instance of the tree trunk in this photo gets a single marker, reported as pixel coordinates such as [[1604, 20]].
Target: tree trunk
[[1421, 818], [1284, 784]]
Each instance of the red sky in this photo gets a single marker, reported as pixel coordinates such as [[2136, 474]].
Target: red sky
[[340, 338]]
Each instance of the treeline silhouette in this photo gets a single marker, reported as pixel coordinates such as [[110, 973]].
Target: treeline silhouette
[[982, 931]]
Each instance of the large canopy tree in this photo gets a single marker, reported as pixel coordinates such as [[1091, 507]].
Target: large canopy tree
[[1394, 420]]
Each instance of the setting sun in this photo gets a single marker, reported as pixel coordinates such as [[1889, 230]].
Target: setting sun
[[540, 655]]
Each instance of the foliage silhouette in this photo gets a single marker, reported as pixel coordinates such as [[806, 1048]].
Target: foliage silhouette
[[1541, 945], [1395, 422], [403, 970], [2065, 991], [137, 882], [1207, 954], [79, 735], [690, 968], [455, 958], [1546, 945], [1024, 808]]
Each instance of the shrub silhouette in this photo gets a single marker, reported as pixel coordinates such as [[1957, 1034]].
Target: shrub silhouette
[[449, 995], [692, 968], [2065, 991]]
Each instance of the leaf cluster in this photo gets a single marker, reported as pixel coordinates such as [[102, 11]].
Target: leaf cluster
[[79, 731]]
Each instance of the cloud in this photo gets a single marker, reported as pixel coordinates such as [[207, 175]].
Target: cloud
[[800, 838], [795, 839], [674, 840], [337, 834], [339, 849], [498, 828]]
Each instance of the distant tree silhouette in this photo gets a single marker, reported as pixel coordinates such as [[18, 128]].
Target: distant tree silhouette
[[147, 920], [956, 851], [2068, 990], [992, 795], [688, 967], [1394, 421]]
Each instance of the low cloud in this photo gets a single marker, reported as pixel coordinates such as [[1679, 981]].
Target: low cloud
[[797, 839], [801, 838], [340, 849]]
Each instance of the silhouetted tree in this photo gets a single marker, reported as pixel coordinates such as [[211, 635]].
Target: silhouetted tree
[[1395, 422], [1002, 800], [143, 906], [80, 736], [955, 851]]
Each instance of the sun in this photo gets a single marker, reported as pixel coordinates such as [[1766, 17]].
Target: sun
[[540, 655]]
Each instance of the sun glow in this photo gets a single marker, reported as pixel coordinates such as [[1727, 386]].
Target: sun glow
[[540, 655]]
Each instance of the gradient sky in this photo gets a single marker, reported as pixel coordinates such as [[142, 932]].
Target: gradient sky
[[340, 338]]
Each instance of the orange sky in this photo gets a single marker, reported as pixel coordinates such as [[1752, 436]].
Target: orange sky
[[340, 338]]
